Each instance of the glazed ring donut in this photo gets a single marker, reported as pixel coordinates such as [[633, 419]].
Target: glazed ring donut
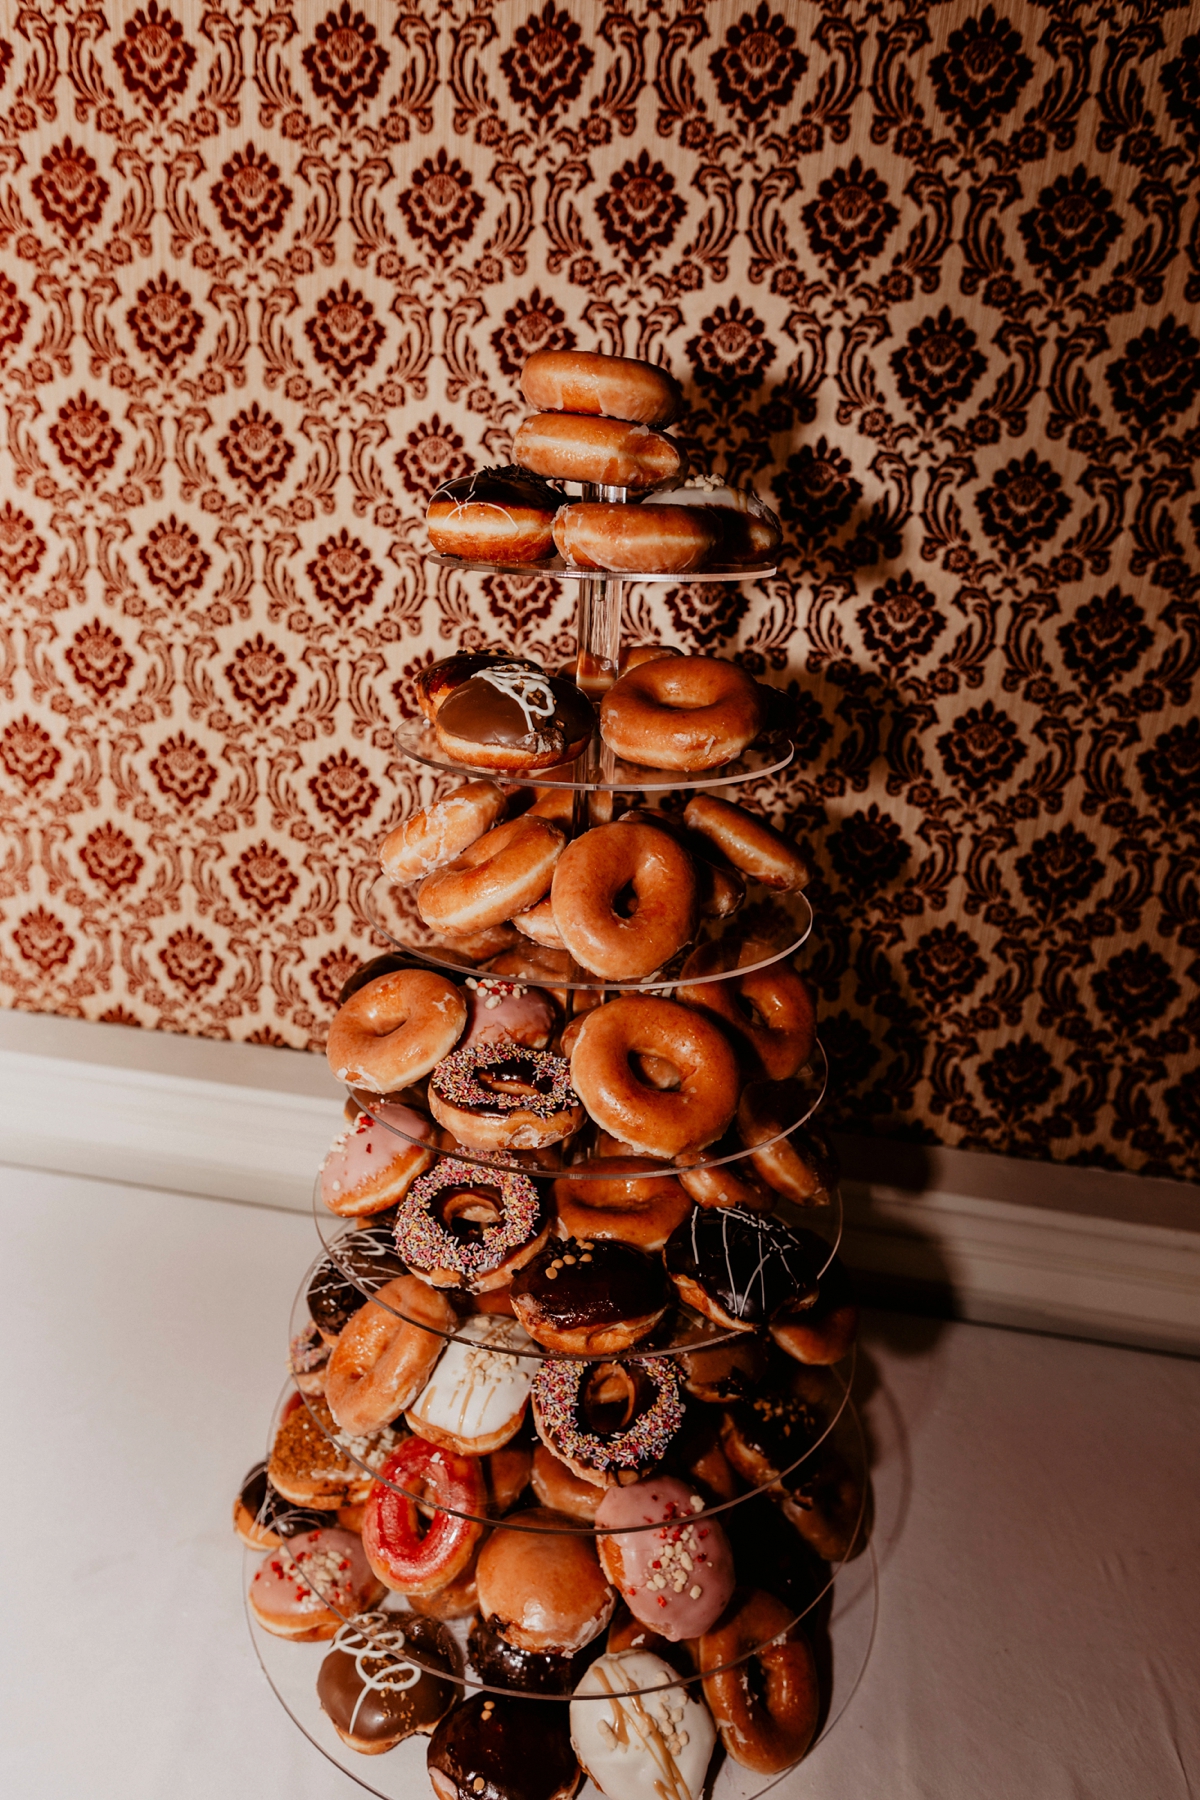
[[395, 1029], [720, 891], [726, 1184], [505, 1097], [654, 1122], [633, 539], [615, 387], [609, 1422], [682, 712], [404, 1558], [619, 1197], [466, 1226], [610, 452], [600, 868], [826, 1502], [384, 1357], [769, 1010], [556, 1487], [441, 832], [751, 845], [637, 654], [505, 872], [766, 1716], [799, 1166], [538, 925]]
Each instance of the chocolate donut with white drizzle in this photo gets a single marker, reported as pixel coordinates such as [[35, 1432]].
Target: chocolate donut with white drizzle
[[738, 1267], [388, 1676], [514, 720]]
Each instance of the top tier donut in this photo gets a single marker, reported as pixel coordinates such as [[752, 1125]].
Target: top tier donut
[[614, 387]]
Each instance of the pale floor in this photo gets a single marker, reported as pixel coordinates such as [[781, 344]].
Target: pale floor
[[1038, 1630]]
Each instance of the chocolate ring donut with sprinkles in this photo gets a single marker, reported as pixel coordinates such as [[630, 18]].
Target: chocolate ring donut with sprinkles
[[611, 1423], [470, 1227], [505, 1096]]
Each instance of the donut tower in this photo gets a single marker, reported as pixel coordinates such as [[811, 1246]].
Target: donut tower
[[565, 1469]]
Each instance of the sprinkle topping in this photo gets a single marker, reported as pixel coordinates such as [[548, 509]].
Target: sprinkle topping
[[558, 1390], [472, 1249], [542, 1081]]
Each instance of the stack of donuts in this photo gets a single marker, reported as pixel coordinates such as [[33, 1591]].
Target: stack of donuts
[[598, 424]]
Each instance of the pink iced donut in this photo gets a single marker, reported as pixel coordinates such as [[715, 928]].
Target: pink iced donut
[[677, 1579], [369, 1168], [500, 1011], [308, 1587]]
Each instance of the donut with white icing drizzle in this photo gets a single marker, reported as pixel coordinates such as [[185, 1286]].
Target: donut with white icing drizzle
[[475, 1399]]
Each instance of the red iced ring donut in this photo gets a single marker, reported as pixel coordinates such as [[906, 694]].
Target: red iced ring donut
[[401, 1556]]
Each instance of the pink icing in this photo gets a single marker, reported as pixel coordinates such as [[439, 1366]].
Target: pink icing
[[316, 1572], [496, 1012], [677, 1579], [366, 1151]]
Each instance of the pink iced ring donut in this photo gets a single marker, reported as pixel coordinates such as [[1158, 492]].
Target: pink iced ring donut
[[400, 1555]]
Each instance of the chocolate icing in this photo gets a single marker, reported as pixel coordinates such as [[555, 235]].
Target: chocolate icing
[[750, 1263], [507, 486], [492, 1748], [618, 1282], [779, 1425], [272, 1512], [482, 713], [501, 1664], [393, 1693], [366, 1260]]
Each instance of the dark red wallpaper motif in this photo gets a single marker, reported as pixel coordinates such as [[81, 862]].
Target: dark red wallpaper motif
[[929, 274]]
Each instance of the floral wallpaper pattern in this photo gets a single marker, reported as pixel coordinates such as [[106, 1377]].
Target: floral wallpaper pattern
[[929, 274]]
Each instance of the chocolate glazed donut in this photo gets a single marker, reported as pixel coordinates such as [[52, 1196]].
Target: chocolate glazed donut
[[590, 1297], [481, 1751]]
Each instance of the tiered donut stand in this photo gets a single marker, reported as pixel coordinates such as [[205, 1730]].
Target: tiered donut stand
[[838, 1623]]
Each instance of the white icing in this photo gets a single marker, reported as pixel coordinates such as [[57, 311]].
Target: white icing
[[383, 1636], [530, 691], [480, 1384], [641, 1746]]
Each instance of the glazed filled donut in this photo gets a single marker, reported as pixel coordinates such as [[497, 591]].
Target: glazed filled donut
[[386, 1677], [556, 1487], [747, 530], [538, 923], [395, 1029], [474, 1401], [608, 1422], [439, 680], [368, 1168], [494, 515], [624, 900], [505, 1097], [638, 1744], [590, 1298], [751, 845], [406, 1558], [513, 720], [306, 1588], [683, 712], [621, 1197], [800, 1165], [677, 1579], [766, 1713], [384, 1357], [441, 832], [616, 387], [310, 1467], [824, 1331], [544, 1590], [480, 1751], [726, 1183], [739, 1267], [650, 1121], [633, 539], [506, 871], [769, 1011], [610, 452], [467, 1226], [500, 1012], [508, 1471]]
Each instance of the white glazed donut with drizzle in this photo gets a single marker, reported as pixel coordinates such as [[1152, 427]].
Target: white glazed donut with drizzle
[[637, 1745], [475, 1399]]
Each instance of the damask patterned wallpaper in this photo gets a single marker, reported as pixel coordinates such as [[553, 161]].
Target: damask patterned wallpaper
[[929, 274]]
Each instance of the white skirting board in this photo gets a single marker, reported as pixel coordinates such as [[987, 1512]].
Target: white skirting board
[[1038, 1245]]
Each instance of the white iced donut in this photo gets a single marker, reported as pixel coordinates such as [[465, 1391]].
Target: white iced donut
[[641, 1746], [475, 1399]]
